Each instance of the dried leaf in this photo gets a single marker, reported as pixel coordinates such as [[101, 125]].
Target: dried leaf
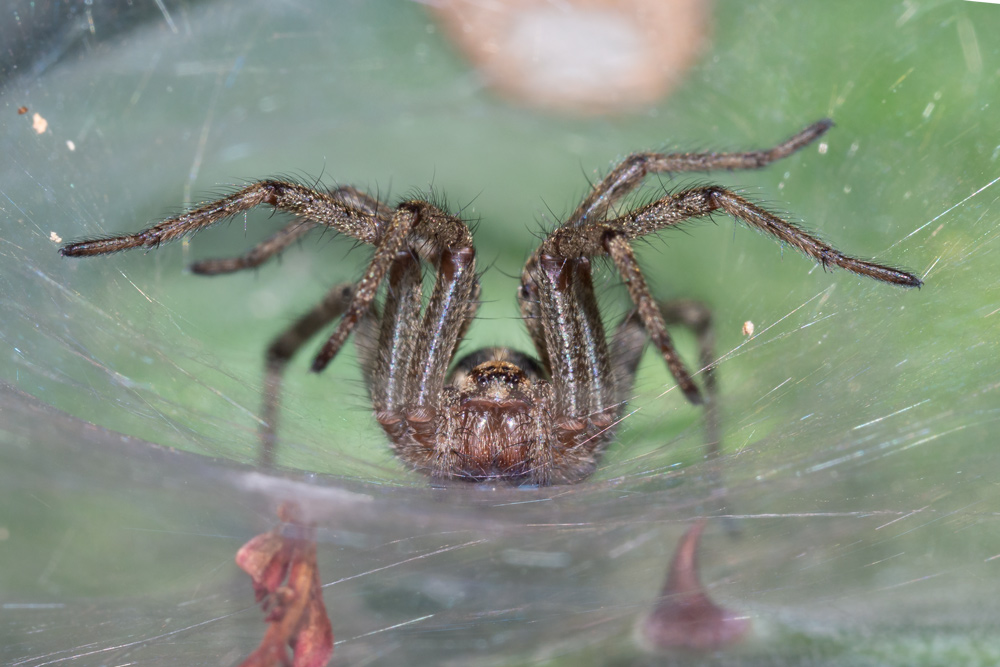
[[295, 611], [265, 558]]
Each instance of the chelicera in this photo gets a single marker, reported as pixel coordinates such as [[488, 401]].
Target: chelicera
[[497, 414]]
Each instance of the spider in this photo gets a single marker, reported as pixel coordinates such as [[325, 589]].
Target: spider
[[497, 414]]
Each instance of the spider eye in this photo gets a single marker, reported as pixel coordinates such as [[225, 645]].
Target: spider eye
[[496, 385], [497, 372]]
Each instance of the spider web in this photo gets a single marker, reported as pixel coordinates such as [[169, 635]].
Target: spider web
[[858, 418]]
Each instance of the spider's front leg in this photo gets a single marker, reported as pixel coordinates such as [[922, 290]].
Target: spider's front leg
[[560, 310], [326, 213], [630, 172], [413, 227], [405, 351], [406, 361], [583, 234], [556, 300], [613, 238], [347, 210], [591, 377]]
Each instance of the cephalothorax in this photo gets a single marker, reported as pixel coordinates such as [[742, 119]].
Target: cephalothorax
[[497, 413]]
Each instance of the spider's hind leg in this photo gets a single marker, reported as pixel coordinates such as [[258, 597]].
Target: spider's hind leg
[[697, 317], [630, 338], [627, 346], [280, 352], [257, 255]]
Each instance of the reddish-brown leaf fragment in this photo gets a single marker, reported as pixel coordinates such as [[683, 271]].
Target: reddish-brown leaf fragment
[[270, 653], [296, 615], [265, 558], [313, 645]]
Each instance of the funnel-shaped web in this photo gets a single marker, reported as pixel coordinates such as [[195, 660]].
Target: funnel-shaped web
[[857, 419]]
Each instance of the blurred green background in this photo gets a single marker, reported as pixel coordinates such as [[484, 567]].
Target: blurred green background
[[859, 418]]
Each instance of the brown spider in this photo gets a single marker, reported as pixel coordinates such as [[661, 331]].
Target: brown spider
[[497, 414]]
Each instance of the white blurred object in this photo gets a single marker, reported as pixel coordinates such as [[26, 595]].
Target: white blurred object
[[580, 56]]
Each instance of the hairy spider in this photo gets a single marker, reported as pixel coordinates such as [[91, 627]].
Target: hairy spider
[[497, 413]]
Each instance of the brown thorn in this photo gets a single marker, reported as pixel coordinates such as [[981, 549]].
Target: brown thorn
[[685, 617]]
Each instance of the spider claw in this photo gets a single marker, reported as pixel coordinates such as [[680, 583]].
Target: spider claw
[[320, 362], [900, 278], [83, 248], [692, 394]]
